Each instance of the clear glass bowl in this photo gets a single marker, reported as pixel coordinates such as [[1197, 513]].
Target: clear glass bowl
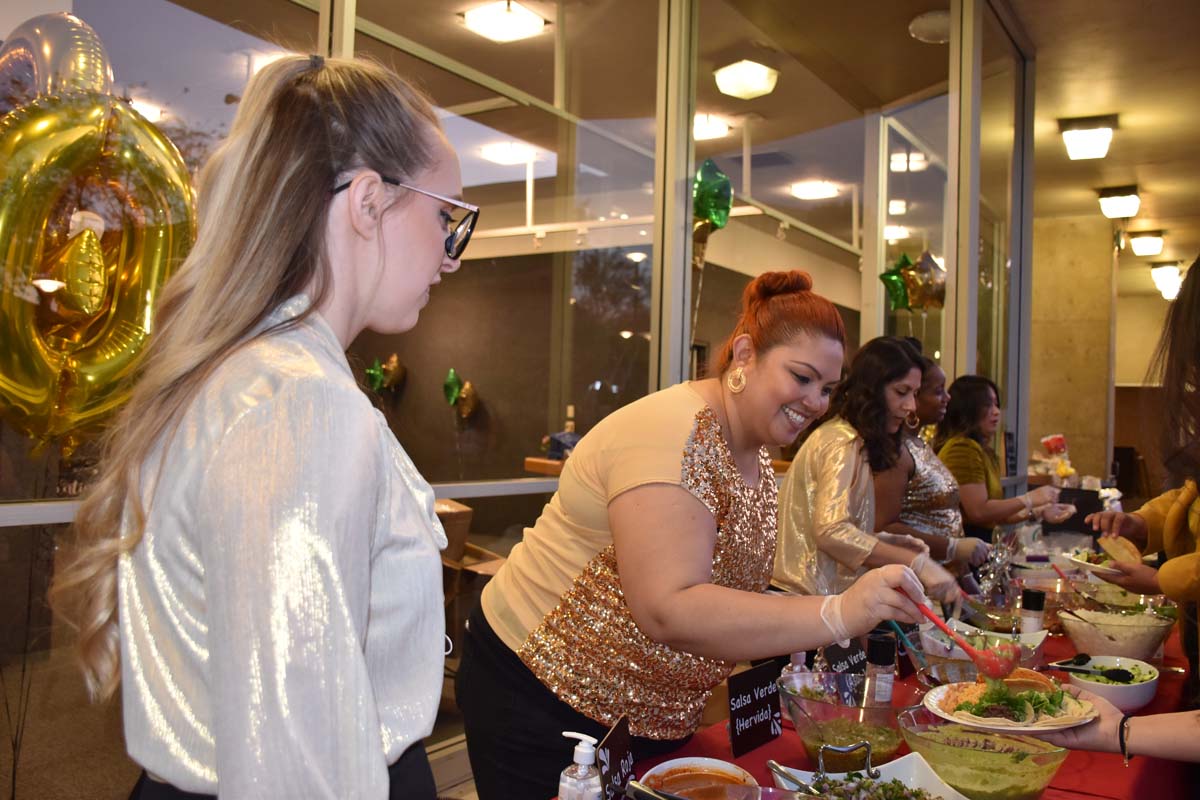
[[981, 764], [829, 708]]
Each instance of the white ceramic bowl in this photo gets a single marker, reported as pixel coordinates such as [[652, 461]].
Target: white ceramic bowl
[[697, 764], [1125, 696], [1100, 633], [911, 770]]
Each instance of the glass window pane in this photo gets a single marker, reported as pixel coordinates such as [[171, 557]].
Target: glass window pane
[[997, 125], [183, 66]]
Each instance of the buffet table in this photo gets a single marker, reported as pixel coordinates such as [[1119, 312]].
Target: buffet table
[[1082, 775]]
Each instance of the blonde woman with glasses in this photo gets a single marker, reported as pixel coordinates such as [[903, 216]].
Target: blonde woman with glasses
[[258, 560]]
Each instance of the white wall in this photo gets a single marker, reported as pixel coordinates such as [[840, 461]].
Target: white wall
[[14, 12], [1140, 321]]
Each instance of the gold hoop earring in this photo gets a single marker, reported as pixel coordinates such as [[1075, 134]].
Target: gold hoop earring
[[736, 380], [912, 421]]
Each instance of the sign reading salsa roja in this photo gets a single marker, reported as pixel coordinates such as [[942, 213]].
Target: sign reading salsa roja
[[615, 757]]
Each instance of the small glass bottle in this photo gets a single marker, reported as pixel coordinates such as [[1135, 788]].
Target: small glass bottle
[[1033, 610], [796, 664], [881, 666]]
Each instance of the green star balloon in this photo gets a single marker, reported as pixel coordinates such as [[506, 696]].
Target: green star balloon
[[452, 386], [375, 376], [896, 290], [712, 195]]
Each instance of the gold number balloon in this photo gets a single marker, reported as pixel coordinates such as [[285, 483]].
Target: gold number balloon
[[76, 305]]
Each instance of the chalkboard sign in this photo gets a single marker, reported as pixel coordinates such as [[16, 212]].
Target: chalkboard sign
[[851, 658], [754, 715]]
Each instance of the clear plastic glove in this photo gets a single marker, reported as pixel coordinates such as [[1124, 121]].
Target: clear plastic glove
[[968, 551], [937, 580], [1058, 512], [874, 597], [1044, 495], [903, 540]]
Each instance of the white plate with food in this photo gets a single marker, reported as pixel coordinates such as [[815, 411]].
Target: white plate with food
[[1097, 568], [912, 771], [1025, 702]]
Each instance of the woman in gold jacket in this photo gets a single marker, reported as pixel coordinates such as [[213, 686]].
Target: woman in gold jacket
[[1170, 523]]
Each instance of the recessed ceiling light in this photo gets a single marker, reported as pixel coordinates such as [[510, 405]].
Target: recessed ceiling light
[[814, 190], [1087, 137], [625, 334], [637, 256], [932, 27], [897, 208], [508, 153], [1146, 243], [709, 126], [504, 21], [1119, 202], [908, 162], [1167, 280], [746, 79]]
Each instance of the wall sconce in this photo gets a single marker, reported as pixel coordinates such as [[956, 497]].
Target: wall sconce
[[746, 79], [1087, 137], [1146, 243], [1167, 279], [1119, 202], [504, 21]]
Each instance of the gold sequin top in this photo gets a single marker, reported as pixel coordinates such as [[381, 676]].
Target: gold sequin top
[[587, 648], [931, 499]]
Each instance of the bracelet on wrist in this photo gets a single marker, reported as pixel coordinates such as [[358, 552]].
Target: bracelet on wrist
[[1123, 738]]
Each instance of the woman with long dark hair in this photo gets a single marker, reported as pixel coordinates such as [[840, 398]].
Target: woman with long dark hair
[[965, 443], [1170, 523], [827, 523]]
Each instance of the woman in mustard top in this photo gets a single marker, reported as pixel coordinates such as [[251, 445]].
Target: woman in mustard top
[[965, 445], [1170, 523]]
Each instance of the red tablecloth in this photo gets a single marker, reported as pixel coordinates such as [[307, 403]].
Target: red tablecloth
[[1082, 775]]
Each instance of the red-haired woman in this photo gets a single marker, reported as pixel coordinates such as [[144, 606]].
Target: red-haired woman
[[642, 582]]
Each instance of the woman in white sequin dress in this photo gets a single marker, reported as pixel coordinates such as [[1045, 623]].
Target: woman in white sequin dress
[[260, 568]]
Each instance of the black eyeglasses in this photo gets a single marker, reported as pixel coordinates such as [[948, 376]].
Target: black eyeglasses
[[460, 231]]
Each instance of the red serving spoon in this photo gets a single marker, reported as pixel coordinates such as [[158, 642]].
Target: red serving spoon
[[995, 662]]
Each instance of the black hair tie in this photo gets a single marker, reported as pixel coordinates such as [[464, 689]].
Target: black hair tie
[[316, 62]]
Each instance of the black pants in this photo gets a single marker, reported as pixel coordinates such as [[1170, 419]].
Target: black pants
[[410, 777], [514, 724]]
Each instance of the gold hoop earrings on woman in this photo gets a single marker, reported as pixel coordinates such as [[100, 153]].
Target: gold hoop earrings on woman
[[912, 421], [736, 380]]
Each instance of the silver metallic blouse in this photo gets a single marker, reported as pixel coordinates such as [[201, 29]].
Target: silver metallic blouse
[[281, 620], [826, 513], [931, 498]]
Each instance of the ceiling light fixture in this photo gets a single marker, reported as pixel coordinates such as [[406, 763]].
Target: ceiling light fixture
[[1146, 243], [1167, 280], [508, 153], [709, 126], [637, 256], [1087, 137], [932, 27], [1119, 202], [908, 162], [895, 233], [897, 208], [746, 79], [151, 111], [504, 21], [814, 190]]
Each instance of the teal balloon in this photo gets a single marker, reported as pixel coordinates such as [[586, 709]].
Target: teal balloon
[[712, 195], [895, 289], [452, 387]]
